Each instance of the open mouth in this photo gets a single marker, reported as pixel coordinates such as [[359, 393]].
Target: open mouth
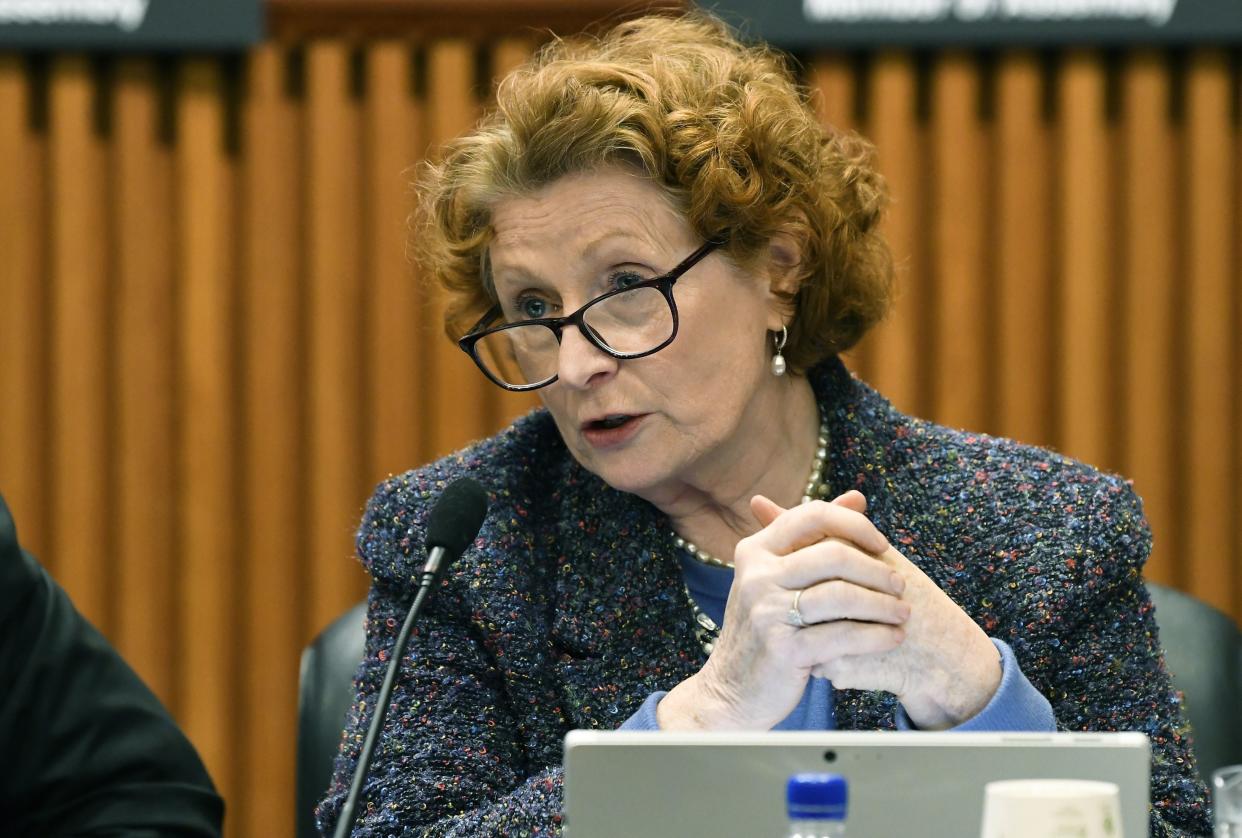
[[608, 422]]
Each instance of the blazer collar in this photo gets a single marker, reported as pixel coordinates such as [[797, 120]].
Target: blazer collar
[[621, 623]]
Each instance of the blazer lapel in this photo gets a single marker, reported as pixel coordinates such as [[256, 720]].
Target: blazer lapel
[[622, 626]]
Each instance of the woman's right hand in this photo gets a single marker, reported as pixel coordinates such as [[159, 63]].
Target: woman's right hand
[[851, 603]]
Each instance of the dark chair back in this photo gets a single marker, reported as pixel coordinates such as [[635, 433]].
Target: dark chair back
[[326, 688], [1203, 650]]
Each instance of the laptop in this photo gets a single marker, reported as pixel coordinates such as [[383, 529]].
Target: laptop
[[623, 784]]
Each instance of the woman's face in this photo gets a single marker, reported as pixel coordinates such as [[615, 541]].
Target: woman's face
[[646, 424]]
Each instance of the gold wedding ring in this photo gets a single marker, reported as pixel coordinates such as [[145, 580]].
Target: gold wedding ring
[[795, 615]]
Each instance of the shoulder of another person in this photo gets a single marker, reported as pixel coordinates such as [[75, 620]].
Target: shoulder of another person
[[19, 572], [9, 548]]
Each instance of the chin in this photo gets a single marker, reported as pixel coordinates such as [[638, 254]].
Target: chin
[[622, 478], [628, 471], [642, 487]]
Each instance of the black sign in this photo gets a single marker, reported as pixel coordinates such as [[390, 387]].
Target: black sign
[[932, 23], [130, 24]]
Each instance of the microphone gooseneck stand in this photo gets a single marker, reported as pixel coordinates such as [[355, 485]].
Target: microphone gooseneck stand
[[454, 523]]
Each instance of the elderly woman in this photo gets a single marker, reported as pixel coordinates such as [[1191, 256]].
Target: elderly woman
[[711, 525]]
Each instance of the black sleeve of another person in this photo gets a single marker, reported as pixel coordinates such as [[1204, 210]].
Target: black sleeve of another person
[[85, 748]]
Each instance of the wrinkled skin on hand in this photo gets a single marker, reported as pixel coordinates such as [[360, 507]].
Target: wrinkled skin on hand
[[874, 622]]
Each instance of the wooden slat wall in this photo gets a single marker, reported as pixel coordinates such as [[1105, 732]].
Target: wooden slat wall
[[211, 345], [1211, 288], [80, 466], [276, 560], [896, 348], [1023, 261], [1149, 263], [958, 165], [145, 325], [24, 305]]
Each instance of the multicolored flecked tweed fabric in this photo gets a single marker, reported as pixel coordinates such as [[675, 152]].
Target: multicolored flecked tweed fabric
[[569, 610]]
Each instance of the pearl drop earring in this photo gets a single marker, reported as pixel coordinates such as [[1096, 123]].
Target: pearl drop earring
[[778, 360]]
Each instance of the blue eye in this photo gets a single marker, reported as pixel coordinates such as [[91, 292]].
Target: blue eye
[[532, 308], [625, 279]]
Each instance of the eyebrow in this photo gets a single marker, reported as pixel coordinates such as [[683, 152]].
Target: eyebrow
[[588, 252]]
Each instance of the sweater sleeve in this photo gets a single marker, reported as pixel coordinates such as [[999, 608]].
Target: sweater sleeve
[[1103, 669], [1016, 705], [644, 717]]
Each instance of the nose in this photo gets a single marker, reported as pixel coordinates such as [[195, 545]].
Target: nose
[[581, 364]]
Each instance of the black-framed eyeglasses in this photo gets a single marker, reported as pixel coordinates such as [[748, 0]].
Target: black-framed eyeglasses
[[626, 323]]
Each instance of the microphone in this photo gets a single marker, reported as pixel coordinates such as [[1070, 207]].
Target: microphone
[[454, 523]]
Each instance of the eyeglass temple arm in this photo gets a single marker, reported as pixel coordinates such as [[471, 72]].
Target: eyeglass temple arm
[[489, 315]]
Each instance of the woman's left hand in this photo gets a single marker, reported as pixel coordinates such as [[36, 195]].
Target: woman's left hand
[[945, 671]]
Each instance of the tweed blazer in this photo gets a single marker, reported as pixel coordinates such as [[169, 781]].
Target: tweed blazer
[[569, 610]]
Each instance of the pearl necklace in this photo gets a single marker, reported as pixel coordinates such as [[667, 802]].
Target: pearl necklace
[[816, 487], [706, 631]]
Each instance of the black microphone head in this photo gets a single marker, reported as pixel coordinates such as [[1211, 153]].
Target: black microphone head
[[457, 517]]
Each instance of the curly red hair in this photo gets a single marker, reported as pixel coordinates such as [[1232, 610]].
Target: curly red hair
[[721, 125]]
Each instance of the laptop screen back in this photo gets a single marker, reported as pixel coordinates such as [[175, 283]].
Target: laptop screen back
[[673, 785]]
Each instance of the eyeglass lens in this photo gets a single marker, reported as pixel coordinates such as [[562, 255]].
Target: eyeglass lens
[[629, 323]]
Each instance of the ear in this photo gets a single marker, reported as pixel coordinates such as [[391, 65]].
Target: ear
[[784, 258]]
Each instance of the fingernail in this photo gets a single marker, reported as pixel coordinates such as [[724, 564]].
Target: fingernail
[[903, 611], [898, 583]]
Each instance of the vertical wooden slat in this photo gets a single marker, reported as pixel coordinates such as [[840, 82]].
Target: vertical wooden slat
[[398, 397], [274, 476], [461, 402], [80, 306], [831, 80], [23, 313], [508, 54], [1236, 145], [959, 229], [1210, 374], [895, 348], [145, 337], [206, 397], [1087, 417], [337, 374], [1151, 301], [1023, 262]]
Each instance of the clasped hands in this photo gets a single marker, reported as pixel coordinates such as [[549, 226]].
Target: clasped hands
[[872, 621]]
